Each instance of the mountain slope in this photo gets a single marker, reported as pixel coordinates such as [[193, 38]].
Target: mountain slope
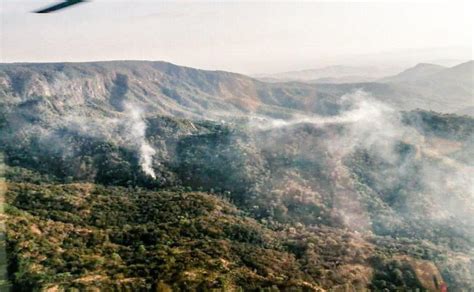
[[106, 84], [419, 71], [449, 87], [463, 72], [293, 185]]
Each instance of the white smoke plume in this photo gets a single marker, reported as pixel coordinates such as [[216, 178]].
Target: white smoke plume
[[445, 184], [127, 129], [138, 134], [361, 107]]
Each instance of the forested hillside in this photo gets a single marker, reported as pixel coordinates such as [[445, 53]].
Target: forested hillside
[[148, 176]]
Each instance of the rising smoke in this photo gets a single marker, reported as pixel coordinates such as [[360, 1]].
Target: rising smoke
[[128, 129], [427, 173], [138, 133]]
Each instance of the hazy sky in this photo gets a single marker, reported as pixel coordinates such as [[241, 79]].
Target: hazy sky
[[247, 37]]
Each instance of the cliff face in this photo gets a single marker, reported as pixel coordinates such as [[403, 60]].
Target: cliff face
[[160, 87]]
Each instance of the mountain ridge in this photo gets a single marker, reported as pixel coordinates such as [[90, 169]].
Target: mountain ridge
[[200, 92]]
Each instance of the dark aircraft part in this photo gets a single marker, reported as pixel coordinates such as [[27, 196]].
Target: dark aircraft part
[[59, 6]]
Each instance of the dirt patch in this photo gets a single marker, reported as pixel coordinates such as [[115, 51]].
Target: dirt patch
[[90, 278], [35, 230], [426, 272]]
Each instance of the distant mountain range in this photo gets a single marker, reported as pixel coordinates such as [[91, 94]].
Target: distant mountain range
[[426, 86], [333, 74]]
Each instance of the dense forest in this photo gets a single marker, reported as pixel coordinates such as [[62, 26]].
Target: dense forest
[[86, 235]]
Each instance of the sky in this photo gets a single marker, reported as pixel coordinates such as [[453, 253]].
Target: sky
[[245, 36]]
